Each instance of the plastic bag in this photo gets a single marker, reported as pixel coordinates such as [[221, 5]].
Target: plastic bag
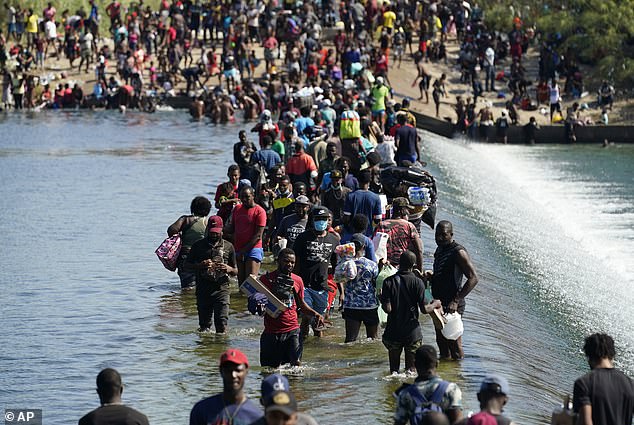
[[387, 271], [346, 269], [169, 251], [380, 245], [453, 328]]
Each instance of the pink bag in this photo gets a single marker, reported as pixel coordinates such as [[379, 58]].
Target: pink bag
[[168, 252]]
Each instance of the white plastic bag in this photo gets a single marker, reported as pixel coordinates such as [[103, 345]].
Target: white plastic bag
[[380, 245], [454, 327]]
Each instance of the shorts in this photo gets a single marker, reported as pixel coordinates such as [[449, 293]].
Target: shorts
[[396, 345], [279, 349], [317, 300], [369, 317], [256, 254], [12, 28], [231, 73], [378, 113]]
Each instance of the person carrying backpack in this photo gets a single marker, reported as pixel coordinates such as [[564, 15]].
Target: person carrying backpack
[[428, 394]]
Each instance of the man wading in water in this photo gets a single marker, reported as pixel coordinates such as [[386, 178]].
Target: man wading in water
[[231, 406], [451, 262]]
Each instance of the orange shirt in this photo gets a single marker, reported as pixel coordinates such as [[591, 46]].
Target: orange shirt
[[300, 163]]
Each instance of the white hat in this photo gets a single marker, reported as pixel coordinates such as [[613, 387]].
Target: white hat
[[327, 102], [379, 80]]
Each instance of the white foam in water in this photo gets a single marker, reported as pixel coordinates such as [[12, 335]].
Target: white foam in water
[[569, 233]]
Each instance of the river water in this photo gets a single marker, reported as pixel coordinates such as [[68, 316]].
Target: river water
[[86, 198]]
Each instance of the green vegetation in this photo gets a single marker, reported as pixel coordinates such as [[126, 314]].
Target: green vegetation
[[599, 32]]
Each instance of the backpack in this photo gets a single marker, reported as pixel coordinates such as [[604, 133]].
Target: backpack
[[423, 405]]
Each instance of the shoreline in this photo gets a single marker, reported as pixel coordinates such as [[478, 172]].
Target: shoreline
[[401, 78]]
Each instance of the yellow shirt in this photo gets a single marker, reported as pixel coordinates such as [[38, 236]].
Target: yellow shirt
[[31, 23], [389, 18]]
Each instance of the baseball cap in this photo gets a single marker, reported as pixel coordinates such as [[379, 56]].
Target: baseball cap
[[214, 224], [495, 384], [379, 80], [281, 401], [358, 239], [401, 202], [271, 384], [302, 200], [482, 418], [233, 355], [320, 212], [336, 174]]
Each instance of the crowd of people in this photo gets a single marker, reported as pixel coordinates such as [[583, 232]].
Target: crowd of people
[[337, 49], [337, 165], [605, 395]]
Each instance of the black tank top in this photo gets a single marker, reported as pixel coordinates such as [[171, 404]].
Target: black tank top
[[447, 280]]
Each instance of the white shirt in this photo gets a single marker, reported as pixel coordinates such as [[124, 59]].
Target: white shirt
[[11, 15], [489, 57], [50, 29], [85, 41]]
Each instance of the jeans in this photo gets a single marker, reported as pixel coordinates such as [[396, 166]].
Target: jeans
[[489, 73]]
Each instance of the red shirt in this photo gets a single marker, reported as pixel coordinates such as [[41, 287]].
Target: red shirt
[[245, 222], [312, 71], [287, 321], [299, 164]]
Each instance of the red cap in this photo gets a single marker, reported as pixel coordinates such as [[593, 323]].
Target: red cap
[[233, 355], [214, 224]]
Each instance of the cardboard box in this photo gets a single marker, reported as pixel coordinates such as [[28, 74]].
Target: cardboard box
[[438, 319], [251, 285]]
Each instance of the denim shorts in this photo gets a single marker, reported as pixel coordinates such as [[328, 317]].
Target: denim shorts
[[317, 300]]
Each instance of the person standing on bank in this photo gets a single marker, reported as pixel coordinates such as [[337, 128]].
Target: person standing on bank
[[451, 263], [192, 228], [213, 260], [605, 395], [112, 410], [231, 406], [247, 224]]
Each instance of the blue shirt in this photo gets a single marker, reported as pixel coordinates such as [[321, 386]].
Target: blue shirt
[[213, 410], [366, 203], [267, 157], [360, 293], [301, 124]]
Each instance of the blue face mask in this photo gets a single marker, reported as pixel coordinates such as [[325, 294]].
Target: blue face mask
[[321, 225]]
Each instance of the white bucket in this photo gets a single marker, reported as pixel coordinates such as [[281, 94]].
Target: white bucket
[[453, 328]]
